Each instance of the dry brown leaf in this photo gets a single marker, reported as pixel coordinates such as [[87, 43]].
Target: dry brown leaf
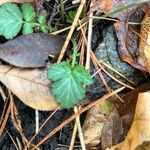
[[31, 86], [138, 137], [92, 127], [15, 1], [102, 124]]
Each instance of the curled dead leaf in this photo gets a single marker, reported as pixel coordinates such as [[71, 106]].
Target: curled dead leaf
[[31, 86]]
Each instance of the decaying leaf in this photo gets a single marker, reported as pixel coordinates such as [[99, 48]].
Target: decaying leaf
[[121, 27], [138, 137], [144, 47], [31, 86], [29, 51], [15, 1], [102, 124]]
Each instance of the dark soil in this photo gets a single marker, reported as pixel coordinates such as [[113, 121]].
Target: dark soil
[[27, 117]]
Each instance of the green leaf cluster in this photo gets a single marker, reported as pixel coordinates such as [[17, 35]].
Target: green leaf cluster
[[13, 19], [68, 83]]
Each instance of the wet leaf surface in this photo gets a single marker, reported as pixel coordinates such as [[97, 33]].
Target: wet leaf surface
[[29, 51]]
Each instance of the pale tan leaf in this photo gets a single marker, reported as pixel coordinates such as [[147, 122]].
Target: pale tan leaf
[[15, 1], [147, 54], [31, 86], [138, 137]]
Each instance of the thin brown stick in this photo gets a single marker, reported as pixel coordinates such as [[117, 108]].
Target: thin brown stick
[[75, 129], [115, 79], [115, 71], [12, 140], [61, 30], [15, 119], [71, 30], [42, 126], [2, 94], [5, 117], [87, 65], [4, 111], [80, 133]]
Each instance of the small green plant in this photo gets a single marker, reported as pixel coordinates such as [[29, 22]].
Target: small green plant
[[71, 15], [13, 19], [68, 81]]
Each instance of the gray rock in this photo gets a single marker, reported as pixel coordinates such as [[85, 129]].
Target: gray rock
[[107, 51]]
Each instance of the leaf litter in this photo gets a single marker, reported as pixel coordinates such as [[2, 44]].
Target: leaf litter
[[7, 75]]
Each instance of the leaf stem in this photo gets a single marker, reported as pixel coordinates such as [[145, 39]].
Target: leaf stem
[[73, 58]]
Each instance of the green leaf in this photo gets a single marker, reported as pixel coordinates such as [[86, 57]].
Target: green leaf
[[82, 75], [42, 19], [71, 15], [11, 20], [68, 83], [44, 28], [57, 71], [28, 12], [27, 28]]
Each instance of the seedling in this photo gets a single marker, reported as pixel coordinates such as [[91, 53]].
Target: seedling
[[68, 81], [13, 19]]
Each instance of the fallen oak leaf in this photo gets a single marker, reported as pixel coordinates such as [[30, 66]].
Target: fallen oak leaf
[[30, 51], [139, 134], [31, 86]]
